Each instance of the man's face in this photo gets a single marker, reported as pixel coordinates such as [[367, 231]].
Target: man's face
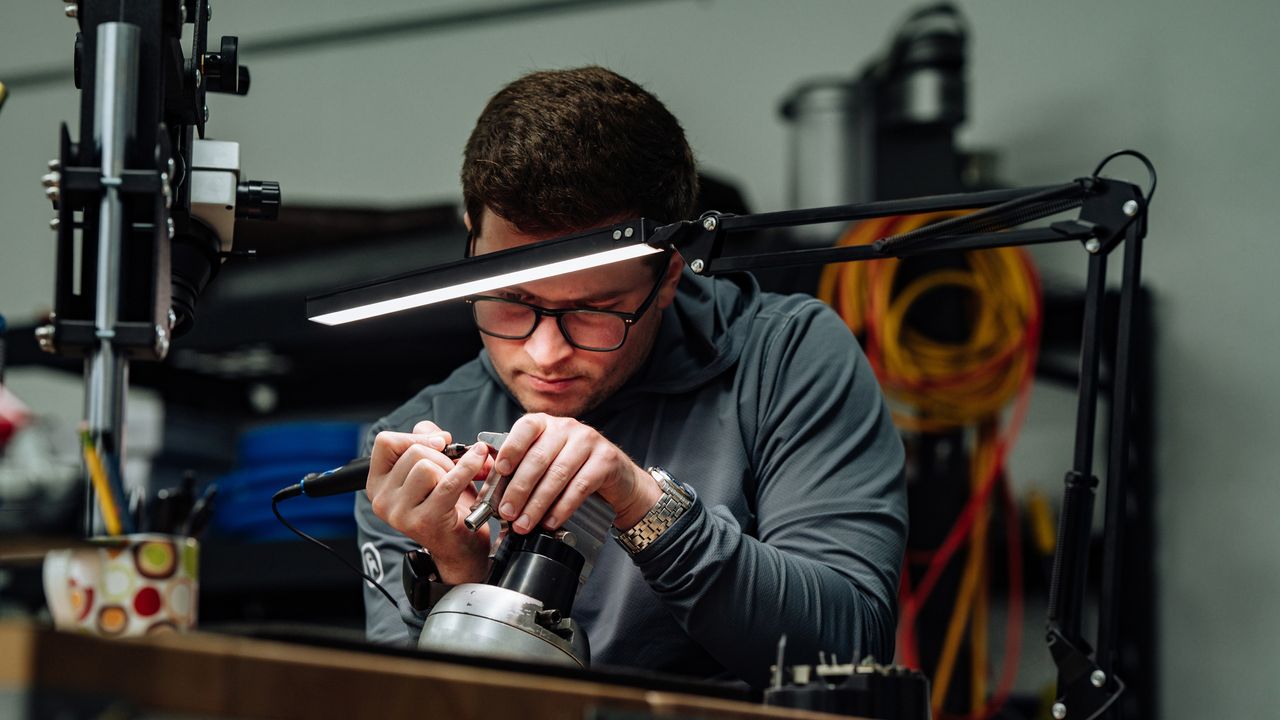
[[545, 372]]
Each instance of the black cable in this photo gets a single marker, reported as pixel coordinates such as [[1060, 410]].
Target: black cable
[[1151, 169], [283, 494]]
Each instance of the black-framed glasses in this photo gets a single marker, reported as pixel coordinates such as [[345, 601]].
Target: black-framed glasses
[[583, 328]]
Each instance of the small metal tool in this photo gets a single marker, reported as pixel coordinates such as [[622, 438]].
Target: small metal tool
[[491, 491], [455, 450]]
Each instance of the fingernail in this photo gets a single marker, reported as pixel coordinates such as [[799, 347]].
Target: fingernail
[[522, 525], [504, 466], [436, 442], [551, 523], [507, 510]]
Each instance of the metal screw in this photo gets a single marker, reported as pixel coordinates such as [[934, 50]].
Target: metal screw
[[1092, 246], [1098, 678], [617, 234], [171, 166], [71, 10], [52, 179], [173, 317], [166, 190], [199, 78], [169, 223], [182, 13], [697, 266], [55, 164], [629, 232], [1130, 208], [208, 12], [162, 341], [54, 224], [1059, 711], [709, 223], [52, 193], [206, 113], [44, 337]]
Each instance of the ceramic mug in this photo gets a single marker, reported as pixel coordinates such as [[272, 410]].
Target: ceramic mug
[[126, 585]]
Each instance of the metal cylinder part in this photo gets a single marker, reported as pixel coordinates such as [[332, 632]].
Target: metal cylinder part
[[489, 621], [115, 103]]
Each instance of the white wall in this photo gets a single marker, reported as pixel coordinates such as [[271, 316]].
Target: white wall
[[1055, 86]]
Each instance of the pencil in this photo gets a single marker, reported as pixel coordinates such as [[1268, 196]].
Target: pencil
[[101, 486]]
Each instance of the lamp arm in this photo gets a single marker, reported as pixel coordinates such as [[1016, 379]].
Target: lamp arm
[[1111, 213]]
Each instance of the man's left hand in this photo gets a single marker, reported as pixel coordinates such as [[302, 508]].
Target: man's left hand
[[558, 463]]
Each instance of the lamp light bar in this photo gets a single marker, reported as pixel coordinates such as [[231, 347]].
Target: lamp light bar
[[482, 273]]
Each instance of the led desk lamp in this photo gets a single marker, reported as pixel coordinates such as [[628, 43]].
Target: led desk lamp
[[1111, 213]]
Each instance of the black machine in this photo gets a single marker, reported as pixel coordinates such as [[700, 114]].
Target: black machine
[[146, 207]]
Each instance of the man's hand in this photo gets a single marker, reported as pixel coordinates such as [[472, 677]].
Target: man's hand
[[415, 489], [559, 462]]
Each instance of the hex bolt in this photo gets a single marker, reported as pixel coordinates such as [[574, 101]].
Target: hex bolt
[[709, 223], [1098, 678], [617, 234], [206, 113], [1059, 711], [629, 232], [697, 266], [54, 224], [51, 179], [208, 12], [1092, 246], [71, 10], [55, 164], [172, 229], [1130, 207], [199, 78], [52, 193]]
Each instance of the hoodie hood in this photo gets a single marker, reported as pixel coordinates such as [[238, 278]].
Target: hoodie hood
[[701, 336]]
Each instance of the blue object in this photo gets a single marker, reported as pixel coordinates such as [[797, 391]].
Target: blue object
[[277, 456]]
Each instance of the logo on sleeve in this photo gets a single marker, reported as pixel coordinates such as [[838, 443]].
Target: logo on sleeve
[[372, 562]]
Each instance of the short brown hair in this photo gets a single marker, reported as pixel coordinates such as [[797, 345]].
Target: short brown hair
[[567, 150]]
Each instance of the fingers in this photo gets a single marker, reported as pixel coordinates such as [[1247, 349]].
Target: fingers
[[410, 479], [530, 472], [522, 436], [389, 446], [595, 468], [428, 428], [442, 504], [564, 471]]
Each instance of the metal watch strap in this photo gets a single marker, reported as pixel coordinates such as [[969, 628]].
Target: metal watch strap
[[673, 503]]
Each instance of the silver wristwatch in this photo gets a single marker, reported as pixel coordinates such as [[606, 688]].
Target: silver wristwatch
[[673, 503]]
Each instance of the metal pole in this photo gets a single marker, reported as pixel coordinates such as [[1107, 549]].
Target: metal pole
[[1119, 453], [114, 116], [1071, 561]]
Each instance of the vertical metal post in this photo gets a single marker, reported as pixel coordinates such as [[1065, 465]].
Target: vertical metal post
[[1119, 459], [1071, 562], [114, 117]]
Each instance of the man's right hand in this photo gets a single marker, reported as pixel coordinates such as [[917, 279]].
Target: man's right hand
[[418, 491]]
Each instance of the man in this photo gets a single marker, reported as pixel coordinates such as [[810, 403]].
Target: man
[[757, 411]]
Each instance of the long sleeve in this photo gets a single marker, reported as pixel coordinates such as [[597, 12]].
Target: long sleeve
[[822, 561], [382, 551]]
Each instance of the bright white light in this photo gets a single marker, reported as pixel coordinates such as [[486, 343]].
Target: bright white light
[[493, 282]]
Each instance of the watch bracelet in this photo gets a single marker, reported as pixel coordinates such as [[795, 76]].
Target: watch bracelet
[[673, 504]]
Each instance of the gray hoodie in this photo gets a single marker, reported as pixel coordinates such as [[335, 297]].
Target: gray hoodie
[[764, 406]]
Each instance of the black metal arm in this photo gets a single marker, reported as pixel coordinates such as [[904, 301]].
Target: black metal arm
[[1112, 213]]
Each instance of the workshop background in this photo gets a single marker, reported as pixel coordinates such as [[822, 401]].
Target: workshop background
[[380, 123]]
